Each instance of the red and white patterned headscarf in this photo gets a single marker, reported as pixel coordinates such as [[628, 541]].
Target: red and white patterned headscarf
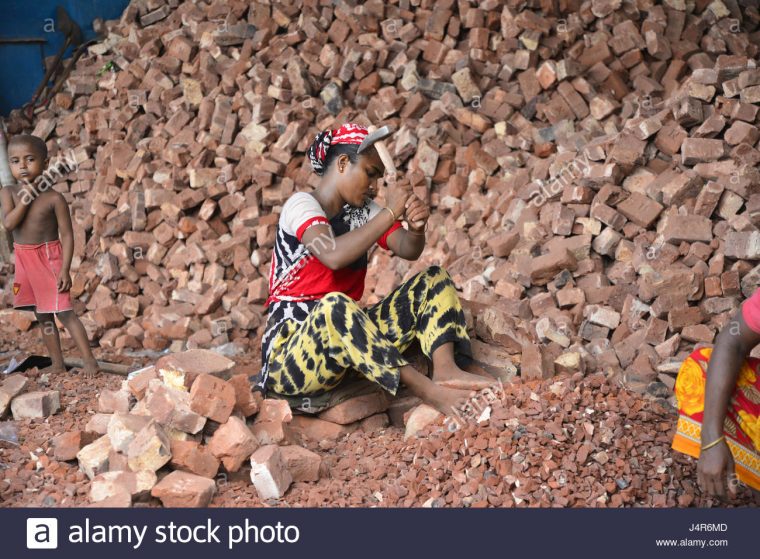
[[347, 134]]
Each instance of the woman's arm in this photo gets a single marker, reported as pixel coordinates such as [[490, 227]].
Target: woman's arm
[[406, 244], [338, 252], [732, 346]]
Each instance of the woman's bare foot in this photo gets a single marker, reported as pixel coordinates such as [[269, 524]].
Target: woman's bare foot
[[476, 369], [452, 376], [445, 400]]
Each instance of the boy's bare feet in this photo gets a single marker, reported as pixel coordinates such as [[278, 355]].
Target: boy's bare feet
[[90, 369], [54, 369], [452, 376]]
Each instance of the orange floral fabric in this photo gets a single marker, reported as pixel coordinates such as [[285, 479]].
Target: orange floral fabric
[[742, 426]]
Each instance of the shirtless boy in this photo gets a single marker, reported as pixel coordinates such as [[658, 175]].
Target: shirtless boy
[[44, 246]]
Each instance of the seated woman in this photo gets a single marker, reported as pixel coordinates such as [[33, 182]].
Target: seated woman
[[316, 331], [718, 393]]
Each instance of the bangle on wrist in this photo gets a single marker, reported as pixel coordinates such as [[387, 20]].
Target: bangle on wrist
[[393, 215], [714, 443]]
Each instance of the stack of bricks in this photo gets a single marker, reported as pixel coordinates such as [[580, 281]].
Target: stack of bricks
[[591, 171]]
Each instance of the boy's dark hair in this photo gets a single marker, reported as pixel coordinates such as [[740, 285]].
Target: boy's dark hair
[[37, 144]]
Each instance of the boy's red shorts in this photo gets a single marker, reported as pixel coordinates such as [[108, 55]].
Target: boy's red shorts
[[36, 281]]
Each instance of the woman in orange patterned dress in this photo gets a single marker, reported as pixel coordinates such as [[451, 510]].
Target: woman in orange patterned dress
[[718, 393]]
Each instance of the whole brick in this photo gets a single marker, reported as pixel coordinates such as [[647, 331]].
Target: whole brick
[[233, 443], [196, 362], [679, 228], [35, 405], [357, 408], [688, 316], [269, 474], [184, 490], [701, 150], [212, 397], [195, 458]]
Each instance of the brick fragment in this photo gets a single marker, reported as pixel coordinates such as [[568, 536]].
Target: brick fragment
[[212, 397], [184, 490], [233, 443], [269, 474]]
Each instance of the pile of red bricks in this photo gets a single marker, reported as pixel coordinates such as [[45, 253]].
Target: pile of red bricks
[[591, 172], [175, 429]]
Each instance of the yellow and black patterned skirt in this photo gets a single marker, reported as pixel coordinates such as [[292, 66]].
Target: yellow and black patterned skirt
[[312, 356]]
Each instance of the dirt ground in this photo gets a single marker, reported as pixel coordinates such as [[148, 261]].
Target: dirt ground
[[565, 442]]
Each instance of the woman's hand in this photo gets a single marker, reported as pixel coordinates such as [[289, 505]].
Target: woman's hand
[[417, 213], [715, 471], [399, 191]]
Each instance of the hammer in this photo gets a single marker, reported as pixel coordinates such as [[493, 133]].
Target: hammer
[[375, 138]]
